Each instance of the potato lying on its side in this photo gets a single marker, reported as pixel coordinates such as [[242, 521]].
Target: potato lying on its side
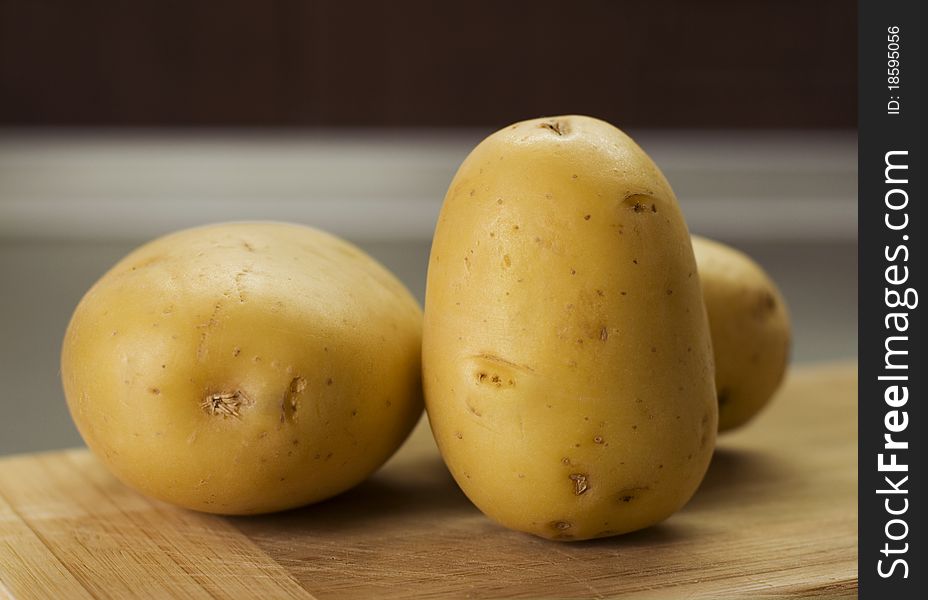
[[566, 356], [750, 330], [244, 367]]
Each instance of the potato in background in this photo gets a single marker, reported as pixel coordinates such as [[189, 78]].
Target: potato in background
[[750, 330]]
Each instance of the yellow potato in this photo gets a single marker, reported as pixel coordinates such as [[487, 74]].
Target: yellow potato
[[566, 356], [244, 367], [750, 330]]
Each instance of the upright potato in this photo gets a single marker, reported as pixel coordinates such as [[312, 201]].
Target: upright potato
[[244, 367], [750, 330], [566, 356]]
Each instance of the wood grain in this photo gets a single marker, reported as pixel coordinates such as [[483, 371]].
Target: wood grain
[[775, 517]]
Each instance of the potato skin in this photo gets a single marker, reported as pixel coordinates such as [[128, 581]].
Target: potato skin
[[244, 367], [750, 329], [566, 357]]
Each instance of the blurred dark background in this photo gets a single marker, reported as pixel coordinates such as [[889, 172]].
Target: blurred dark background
[[644, 64]]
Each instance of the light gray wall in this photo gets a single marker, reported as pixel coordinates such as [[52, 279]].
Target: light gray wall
[[71, 205]]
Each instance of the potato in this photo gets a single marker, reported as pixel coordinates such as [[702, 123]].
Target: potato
[[749, 326], [244, 367], [567, 364]]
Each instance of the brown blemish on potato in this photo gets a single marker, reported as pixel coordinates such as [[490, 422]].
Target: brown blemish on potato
[[565, 461], [587, 217], [502, 362], [639, 202], [226, 404], [723, 395], [558, 127], [155, 391], [297, 385], [629, 494], [560, 525], [239, 283], [581, 483], [495, 379], [603, 334], [598, 439], [765, 304], [473, 409], [290, 401], [507, 262]]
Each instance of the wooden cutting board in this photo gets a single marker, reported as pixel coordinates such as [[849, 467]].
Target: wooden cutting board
[[775, 517]]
